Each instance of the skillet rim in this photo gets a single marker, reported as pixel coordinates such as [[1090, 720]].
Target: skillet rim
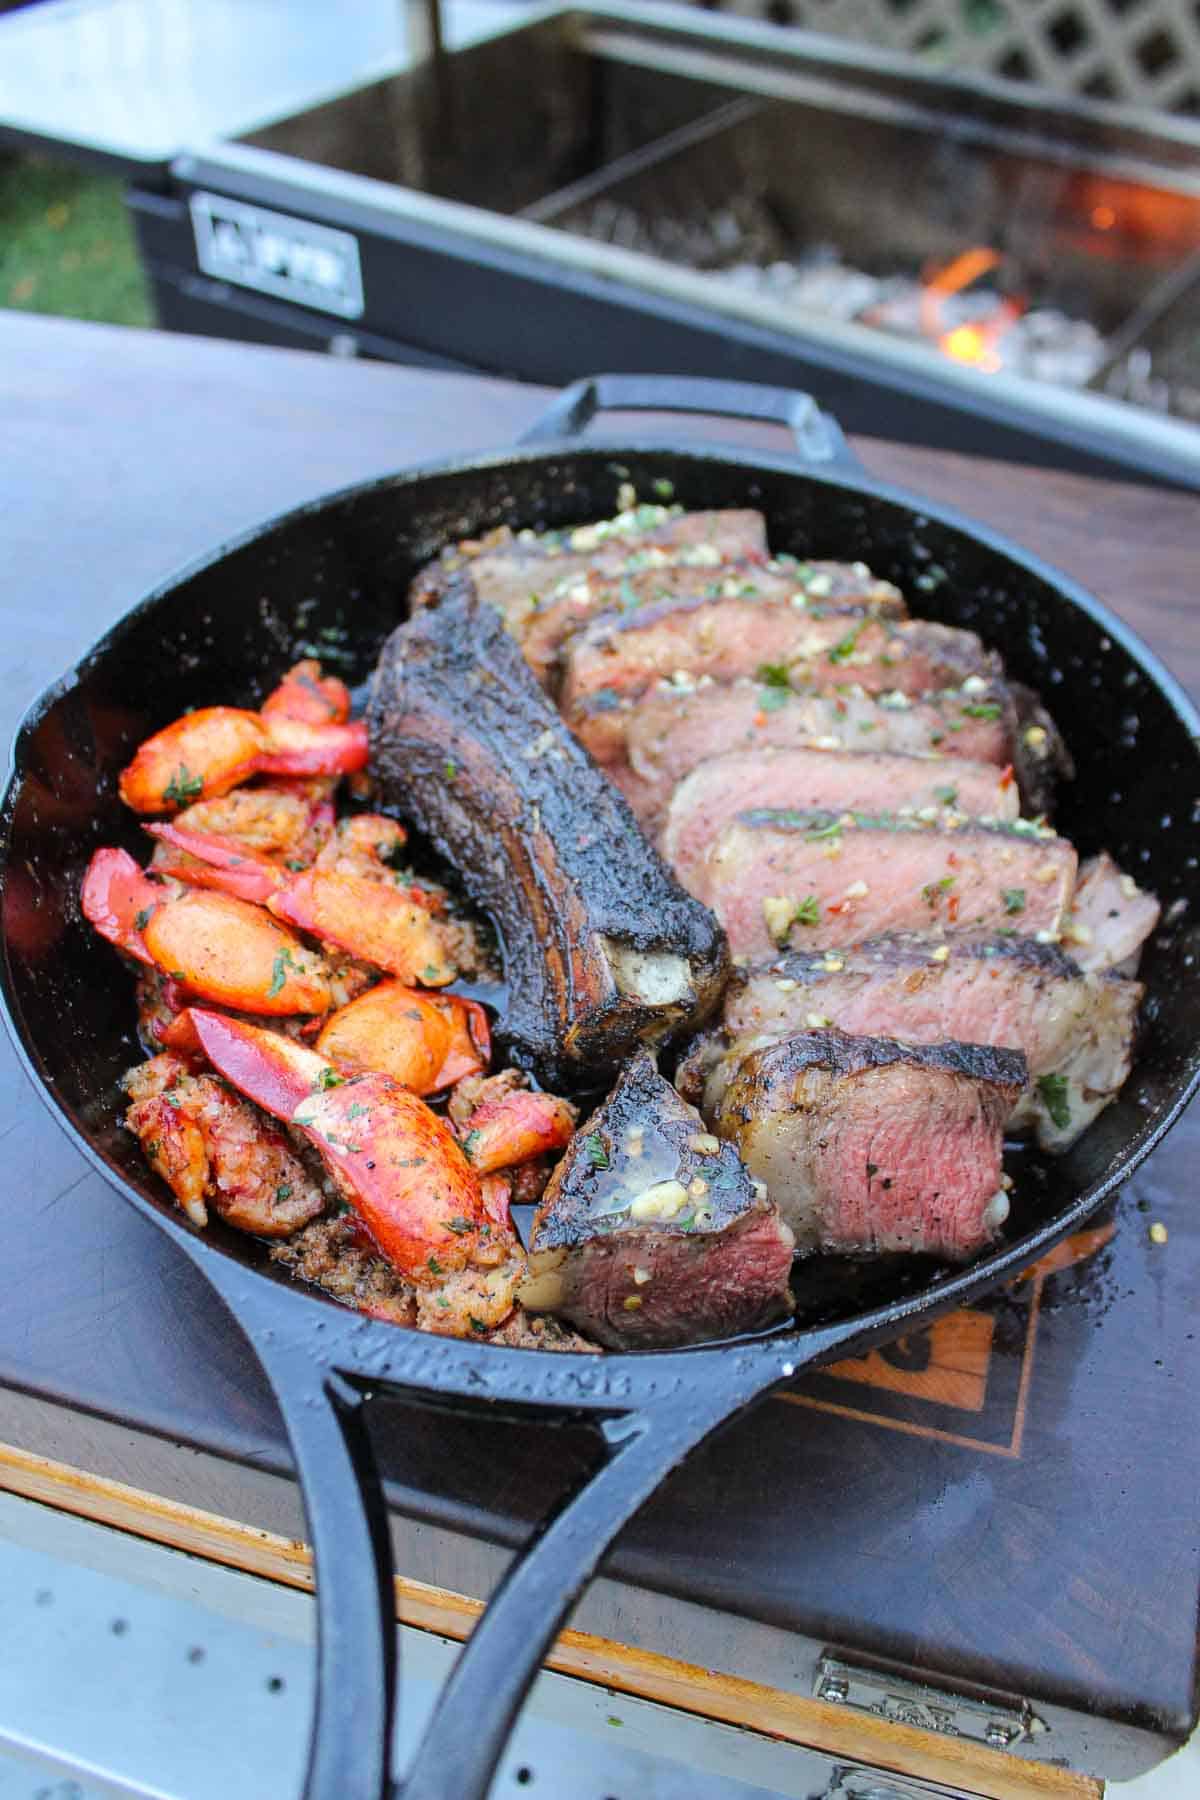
[[450, 1365]]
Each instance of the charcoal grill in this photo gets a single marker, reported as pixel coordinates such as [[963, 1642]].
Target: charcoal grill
[[597, 214]]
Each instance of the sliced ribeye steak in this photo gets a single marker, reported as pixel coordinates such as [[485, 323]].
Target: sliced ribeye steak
[[651, 1231], [1111, 917], [508, 569], [649, 744], [779, 878], [1076, 1030], [728, 637], [869, 781], [868, 1145], [652, 576]]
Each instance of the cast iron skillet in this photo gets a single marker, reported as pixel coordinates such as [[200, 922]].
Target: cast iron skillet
[[333, 574]]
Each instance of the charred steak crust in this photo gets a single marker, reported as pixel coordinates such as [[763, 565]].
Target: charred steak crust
[[840, 1055], [652, 1232], [603, 949], [869, 1145], [598, 1160], [910, 949]]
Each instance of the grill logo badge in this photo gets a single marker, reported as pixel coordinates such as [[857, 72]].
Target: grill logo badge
[[296, 259]]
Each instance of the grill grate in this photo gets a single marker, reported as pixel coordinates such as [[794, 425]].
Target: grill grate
[[1137, 52]]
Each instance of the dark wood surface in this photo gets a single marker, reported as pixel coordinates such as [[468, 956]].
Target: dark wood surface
[[1010, 1499]]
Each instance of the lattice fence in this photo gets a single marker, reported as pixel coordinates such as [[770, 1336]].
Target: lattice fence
[[1140, 52]]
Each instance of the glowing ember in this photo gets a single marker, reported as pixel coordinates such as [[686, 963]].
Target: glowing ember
[[968, 344], [972, 340]]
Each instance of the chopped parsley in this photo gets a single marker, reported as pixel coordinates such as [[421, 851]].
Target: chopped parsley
[[773, 675], [450, 768], [932, 892], [947, 795], [283, 1191], [808, 912], [143, 918], [1054, 1090], [1014, 899], [476, 1324], [663, 488], [469, 1143], [355, 1111], [986, 709], [431, 972], [597, 1154], [328, 1078], [832, 831], [844, 651], [434, 1266], [458, 1226], [183, 787], [279, 968]]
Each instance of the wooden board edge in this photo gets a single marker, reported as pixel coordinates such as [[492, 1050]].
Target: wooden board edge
[[644, 1674]]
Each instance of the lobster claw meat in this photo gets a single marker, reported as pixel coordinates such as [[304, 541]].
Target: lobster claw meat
[[397, 1164], [296, 747], [307, 695], [208, 752], [425, 1042], [209, 860], [199, 757], [212, 945], [235, 954], [369, 920], [515, 1128], [118, 898]]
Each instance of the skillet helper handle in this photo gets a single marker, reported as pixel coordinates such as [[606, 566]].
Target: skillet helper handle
[[462, 1745], [818, 439], [351, 1734]]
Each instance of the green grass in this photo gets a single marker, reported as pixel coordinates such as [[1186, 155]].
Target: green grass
[[67, 245]]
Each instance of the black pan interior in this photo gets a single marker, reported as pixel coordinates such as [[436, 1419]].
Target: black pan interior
[[332, 578]]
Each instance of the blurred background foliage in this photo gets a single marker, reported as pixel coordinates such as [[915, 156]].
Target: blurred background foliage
[[66, 244]]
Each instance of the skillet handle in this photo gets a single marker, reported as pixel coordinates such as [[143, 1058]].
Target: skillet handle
[[460, 1750], [324, 1412], [818, 438], [351, 1734]]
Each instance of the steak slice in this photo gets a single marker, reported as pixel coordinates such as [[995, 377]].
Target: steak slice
[[1038, 754], [1111, 917], [869, 781], [583, 598], [820, 879], [651, 1232], [508, 569], [730, 636], [648, 745], [868, 1145], [603, 950], [1075, 1029]]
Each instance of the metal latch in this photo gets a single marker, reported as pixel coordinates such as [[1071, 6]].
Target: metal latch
[[1000, 1726], [854, 1781]]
